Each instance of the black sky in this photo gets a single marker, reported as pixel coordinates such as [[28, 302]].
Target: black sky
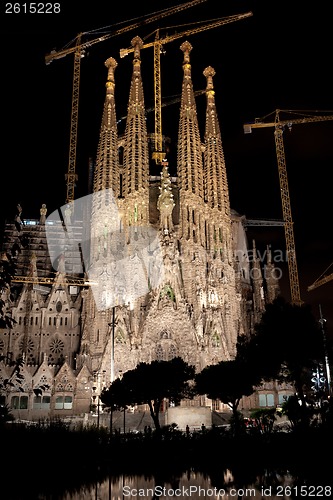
[[280, 58]]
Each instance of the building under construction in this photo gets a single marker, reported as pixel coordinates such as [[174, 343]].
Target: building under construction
[[154, 267]]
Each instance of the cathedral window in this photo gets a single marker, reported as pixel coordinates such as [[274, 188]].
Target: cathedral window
[[165, 334], [120, 338], [266, 400], [168, 292], [172, 351], [19, 402], [63, 403], [56, 346], [43, 381], [58, 306], [159, 353], [215, 338], [121, 185], [41, 402], [50, 321], [28, 345]]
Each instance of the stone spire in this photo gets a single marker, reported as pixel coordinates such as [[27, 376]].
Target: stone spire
[[106, 174], [216, 184], [104, 211], [189, 157], [189, 161], [136, 152]]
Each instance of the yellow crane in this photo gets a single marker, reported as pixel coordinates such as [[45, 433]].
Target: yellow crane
[[79, 50], [158, 43], [70, 280], [321, 280], [166, 102], [279, 126]]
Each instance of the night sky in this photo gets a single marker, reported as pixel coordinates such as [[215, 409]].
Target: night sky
[[280, 58]]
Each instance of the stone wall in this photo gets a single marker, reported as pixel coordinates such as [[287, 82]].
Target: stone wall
[[193, 417]]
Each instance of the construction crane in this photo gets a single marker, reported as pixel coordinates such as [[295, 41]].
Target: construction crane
[[279, 126], [79, 51], [157, 44], [263, 222], [321, 280], [166, 102], [70, 281]]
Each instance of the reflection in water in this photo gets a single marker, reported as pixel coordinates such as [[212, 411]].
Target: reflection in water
[[191, 484]]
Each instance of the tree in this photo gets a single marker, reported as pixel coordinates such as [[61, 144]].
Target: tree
[[151, 383], [227, 381], [286, 345], [115, 398]]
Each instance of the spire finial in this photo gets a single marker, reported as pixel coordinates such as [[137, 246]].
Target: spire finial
[[186, 47], [111, 64], [209, 72], [137, 43]]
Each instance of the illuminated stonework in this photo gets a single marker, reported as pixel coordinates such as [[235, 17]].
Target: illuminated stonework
[[204, 299]]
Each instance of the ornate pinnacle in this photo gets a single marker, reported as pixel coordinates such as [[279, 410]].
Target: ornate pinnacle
[[186, 47], [137, 43], [111, 64], [209, 72]]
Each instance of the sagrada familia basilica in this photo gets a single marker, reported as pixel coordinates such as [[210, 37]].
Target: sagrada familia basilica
[[153, 267]]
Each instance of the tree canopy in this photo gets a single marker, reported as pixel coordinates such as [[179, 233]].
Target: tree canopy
[[226, 381], [286, 345], [151, 383]]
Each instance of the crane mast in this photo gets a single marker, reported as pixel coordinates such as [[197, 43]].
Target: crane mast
[[78, 50], [279, 126], [157, 44], [71, 176]]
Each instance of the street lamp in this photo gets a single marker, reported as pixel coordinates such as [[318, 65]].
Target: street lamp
[[322, 322], [112, 325], [121, 377]]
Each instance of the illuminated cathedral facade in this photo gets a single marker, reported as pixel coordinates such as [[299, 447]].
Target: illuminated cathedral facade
[[167, 268]]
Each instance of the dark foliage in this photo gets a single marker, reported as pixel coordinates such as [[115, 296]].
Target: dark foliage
[[151, 383]]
